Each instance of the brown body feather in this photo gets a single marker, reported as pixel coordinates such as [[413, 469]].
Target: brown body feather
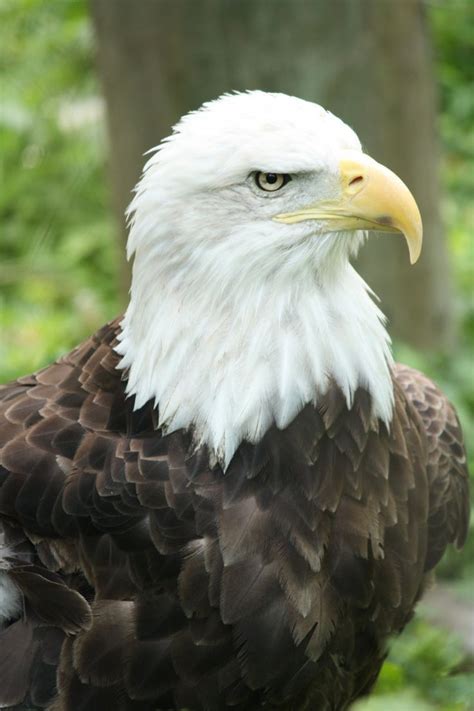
[[152, 580]]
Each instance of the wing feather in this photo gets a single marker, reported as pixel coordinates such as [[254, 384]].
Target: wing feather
[[446, 464], [167, 583]]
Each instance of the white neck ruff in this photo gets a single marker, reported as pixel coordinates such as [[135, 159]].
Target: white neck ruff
[[231, 367]]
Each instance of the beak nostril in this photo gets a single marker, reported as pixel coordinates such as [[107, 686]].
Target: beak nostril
[[357, 179]]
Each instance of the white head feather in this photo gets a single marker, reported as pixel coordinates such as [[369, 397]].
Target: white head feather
[[236, 321]]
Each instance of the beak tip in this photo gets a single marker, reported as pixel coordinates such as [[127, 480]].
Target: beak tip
[[414, 247]]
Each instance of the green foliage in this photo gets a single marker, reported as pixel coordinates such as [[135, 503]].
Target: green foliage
[[426, 670], [452, 24], [59, 261]]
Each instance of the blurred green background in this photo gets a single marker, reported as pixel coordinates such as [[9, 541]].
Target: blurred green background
[[61, 259]]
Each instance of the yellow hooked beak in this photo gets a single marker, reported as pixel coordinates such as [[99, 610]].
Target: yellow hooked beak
[[371, 198]]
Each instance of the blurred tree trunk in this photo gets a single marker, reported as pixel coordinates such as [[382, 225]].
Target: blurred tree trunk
[[369, 61]]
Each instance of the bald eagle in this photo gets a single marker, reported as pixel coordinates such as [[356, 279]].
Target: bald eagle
[[231, 496]]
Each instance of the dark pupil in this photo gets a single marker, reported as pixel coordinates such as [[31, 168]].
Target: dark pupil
[[271, 178]]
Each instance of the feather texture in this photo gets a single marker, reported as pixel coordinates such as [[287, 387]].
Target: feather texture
[[178, 585]]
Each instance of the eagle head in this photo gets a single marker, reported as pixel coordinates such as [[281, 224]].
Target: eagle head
[[243, 303]]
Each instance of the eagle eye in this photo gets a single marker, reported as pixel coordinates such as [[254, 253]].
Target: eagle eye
[[270, 182]]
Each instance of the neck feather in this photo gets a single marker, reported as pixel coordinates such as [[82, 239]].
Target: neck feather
[[231, 367]]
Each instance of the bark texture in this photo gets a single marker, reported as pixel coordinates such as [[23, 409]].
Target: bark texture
[[367, 61]]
